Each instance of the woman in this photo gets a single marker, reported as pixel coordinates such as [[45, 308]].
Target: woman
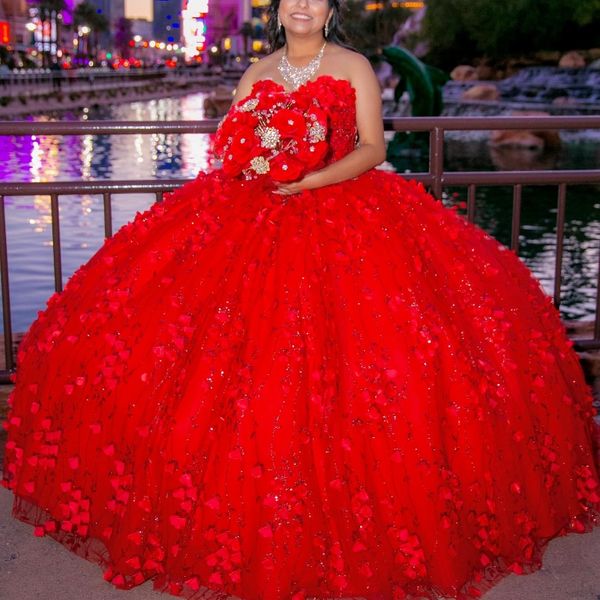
[[299, 376]]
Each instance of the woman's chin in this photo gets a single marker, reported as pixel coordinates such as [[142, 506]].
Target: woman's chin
[[302, 30]]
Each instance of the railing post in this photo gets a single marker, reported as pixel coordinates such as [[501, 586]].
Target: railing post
[[471, 197], [516, 217], [597, 320], [107, 215], [6, 312], [58, 285], [436, 159], [560, 230]]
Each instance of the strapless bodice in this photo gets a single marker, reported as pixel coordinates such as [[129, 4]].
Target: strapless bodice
[[336, 96], [271, 118]]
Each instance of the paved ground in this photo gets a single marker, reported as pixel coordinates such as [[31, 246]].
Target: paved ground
[[34, 568]]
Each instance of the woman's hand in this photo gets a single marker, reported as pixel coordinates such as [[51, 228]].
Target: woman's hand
[[308, 182]]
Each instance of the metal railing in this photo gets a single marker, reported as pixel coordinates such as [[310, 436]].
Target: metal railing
[[436, 178]]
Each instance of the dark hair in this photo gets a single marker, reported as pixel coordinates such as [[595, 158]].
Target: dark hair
[[276, 36]]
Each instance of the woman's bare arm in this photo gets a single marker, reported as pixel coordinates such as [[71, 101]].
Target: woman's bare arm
[[244, 86]]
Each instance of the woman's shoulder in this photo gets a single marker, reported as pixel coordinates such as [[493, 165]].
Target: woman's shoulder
[[347, 57], [349, 63], [255, 72], [261, 67]]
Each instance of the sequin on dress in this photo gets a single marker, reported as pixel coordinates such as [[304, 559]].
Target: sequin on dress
[[351, 391]]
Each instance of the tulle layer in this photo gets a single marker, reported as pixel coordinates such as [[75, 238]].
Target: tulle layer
[[347, 392]]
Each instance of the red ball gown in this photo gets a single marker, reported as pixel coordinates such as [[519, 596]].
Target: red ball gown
[[351, 391]]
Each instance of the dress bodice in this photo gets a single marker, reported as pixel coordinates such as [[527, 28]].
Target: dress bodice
[[337, 97], [334, 99]]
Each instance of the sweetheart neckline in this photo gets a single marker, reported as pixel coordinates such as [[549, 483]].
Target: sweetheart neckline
[[306, 84]]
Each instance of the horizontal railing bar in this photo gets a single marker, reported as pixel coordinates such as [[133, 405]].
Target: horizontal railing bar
[[8, 128], [100, 186], [582, 176], [106, 127], [453, 178], [488, 123]]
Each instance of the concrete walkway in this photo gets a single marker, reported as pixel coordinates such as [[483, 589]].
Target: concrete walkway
[[34, 568]]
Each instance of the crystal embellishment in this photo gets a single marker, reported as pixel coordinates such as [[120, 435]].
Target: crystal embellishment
[[260, 165], [249, 105], [269, 136], [316, 133], [297, 76]]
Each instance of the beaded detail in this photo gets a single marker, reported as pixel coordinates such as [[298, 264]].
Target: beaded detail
[[296, 76]]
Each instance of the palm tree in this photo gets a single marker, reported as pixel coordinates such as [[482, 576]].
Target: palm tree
[[247, 32], [85, 14], [123, 35]]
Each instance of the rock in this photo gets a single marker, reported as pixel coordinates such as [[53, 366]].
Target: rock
[[483, 91], [563, 101], [463, 73], [572, 60], [218, 102], [594, 53], [532, 139], [485, 72], [517, 158], [516, 139], [550, 57]]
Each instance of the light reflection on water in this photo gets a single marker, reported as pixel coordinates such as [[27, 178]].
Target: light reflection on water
[[54, 158]]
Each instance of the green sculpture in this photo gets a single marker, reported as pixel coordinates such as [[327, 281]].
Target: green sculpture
[[424, 85]]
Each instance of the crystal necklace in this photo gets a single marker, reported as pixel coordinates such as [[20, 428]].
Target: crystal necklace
[[296, 76]]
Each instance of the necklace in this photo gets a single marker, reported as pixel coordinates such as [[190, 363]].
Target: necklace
[[296, 76]]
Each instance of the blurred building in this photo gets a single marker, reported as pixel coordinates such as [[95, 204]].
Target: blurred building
[[167, 21], [225, 18], [143, 28], [113, 10], [214, 24], [13, 19]]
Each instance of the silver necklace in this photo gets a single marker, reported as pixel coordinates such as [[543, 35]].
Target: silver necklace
[[296, 76]]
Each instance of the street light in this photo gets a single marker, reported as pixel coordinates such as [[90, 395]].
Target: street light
[[31, 27], [82, 33]]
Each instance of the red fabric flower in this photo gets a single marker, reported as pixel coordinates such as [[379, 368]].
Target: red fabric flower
[[290, 123], [231, 167], [244, 119], [243, 144], [285, 167], [312, 154], [272, 133]]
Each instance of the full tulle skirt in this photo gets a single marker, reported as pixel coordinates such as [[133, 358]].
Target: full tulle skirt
[[351, 391]]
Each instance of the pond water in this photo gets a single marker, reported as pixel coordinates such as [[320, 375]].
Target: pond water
[[54, 158]]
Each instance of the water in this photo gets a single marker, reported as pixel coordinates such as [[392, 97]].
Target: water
[[53, 158]]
